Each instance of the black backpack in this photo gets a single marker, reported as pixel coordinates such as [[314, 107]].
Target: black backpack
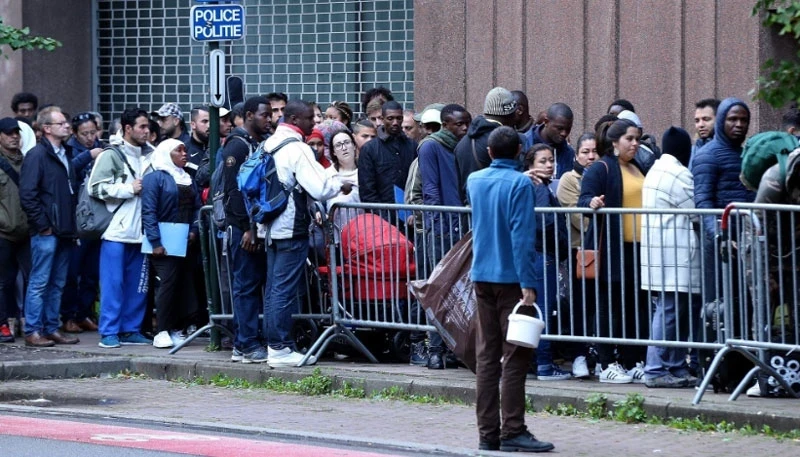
[[92, 217], [218, 194]]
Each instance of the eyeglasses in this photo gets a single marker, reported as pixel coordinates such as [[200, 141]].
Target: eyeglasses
[[56, 123], [82, 117], [342, 144]]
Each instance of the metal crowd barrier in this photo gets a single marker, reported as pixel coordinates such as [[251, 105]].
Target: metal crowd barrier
[[763, 292]]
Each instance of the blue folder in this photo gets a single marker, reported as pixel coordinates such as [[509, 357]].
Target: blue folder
[[174, 238]]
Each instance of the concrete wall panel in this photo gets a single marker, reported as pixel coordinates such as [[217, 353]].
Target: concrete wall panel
[[440, 64], [510, 44], [600, 60], [700, 73], [650, 64], [480, 52], [556, 56]]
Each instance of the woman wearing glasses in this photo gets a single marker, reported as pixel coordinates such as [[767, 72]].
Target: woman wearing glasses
[[343, 156]]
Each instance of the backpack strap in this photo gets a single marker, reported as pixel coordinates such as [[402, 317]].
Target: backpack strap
[[5, 165], [280, 145], [121, 155], [475, 156]]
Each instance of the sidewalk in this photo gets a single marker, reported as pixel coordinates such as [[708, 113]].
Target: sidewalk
[[86, 359]]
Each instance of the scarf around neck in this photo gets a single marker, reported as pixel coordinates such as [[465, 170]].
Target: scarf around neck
[[445, 138]]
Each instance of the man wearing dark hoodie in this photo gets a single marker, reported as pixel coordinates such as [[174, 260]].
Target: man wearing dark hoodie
[[716, 169], [554, 133], [499, 108]]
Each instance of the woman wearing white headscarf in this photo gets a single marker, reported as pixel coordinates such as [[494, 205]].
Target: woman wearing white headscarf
[[169, 195]]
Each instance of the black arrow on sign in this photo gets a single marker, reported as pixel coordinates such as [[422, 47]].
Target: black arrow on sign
[[216, 83]]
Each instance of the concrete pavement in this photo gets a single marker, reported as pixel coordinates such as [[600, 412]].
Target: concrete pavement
[[448, 426]]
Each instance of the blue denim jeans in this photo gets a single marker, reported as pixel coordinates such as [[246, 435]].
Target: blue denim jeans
[[674, 314], [285, 271], [247, 270], [50, 260], [546, 280]]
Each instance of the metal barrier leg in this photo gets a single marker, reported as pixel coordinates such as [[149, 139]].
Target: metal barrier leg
[[710, 374], [198, 332], [743, 385], [760, 365], [329, 334]]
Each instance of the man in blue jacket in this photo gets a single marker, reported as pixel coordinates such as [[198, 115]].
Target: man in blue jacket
[[437, 164], [48, 189], [554, 132], [716, 169], [503, 273]]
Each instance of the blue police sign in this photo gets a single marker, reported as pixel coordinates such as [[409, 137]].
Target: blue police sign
[[217, 22]]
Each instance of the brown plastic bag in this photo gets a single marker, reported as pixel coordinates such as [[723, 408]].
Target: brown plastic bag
[[449, 301], [587, 263]]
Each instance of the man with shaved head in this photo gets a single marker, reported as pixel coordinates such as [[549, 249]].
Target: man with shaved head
[[524, 120], [554, 133]]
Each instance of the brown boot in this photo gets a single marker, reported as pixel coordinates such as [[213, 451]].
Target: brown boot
[[38, 341], [71, 326], [87, 325], [59, 338]]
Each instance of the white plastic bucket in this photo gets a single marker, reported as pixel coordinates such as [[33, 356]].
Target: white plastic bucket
[[524, 330]]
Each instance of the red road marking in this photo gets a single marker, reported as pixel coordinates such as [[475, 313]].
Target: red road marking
[[157, 440]]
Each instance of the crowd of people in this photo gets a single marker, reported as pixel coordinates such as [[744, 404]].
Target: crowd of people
[[153, 173]]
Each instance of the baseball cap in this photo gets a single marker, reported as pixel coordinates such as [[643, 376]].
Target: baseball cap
[[9, 125], [631, 116], [168, 109], [224, 111], [432, 115], [499, 102], [435, 106]]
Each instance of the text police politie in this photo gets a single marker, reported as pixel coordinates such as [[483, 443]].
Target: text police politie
[[217, 22]]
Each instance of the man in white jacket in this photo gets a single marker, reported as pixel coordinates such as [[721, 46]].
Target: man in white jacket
[[117, 179], [670, 261], [287, 235]]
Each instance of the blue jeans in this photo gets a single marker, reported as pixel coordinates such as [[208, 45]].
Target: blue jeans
[[285, 271], [49, 262], [14, 256], [247, 270], [670, 307], [80, 291], [546, 280], [124, 280]]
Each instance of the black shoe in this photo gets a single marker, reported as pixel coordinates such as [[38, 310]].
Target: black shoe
[[489, 445], [451, 361], [435, 361], [525, 442]]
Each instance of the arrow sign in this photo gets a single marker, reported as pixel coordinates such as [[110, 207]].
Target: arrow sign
[[216, 63]]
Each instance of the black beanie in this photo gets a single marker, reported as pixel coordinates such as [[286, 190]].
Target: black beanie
[[677, 143]]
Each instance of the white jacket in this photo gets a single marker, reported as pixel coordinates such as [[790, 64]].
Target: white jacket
[[298, 169], [113, 184], [670, 249]]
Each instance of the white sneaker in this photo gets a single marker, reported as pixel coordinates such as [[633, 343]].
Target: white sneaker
[[162, 340], [637, 373], [579, 367], [177, 337], [615, 374], [282, 358], [754, 390]]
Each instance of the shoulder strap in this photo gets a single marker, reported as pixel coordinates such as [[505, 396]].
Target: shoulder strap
[[280, 145], [250, 147], [5, 165], [121, 155], [475, 156]]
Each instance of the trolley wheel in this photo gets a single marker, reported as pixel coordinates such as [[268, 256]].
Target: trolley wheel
[[401, 346], [306, 332]]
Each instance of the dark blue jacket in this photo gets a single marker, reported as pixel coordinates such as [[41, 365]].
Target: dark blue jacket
[[81, 157], [551, 233], [716, 169], [160, 204], [565, 154], [48, 191], [437, 164], [604, 178]]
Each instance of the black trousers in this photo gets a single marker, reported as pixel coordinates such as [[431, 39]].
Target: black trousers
[[176, 300]]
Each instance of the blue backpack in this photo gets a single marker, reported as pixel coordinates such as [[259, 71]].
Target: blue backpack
[[265, 197]]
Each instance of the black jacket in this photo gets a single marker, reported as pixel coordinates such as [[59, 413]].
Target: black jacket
[[234, 154], [48, 191], [479, 131], [382, 164]]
